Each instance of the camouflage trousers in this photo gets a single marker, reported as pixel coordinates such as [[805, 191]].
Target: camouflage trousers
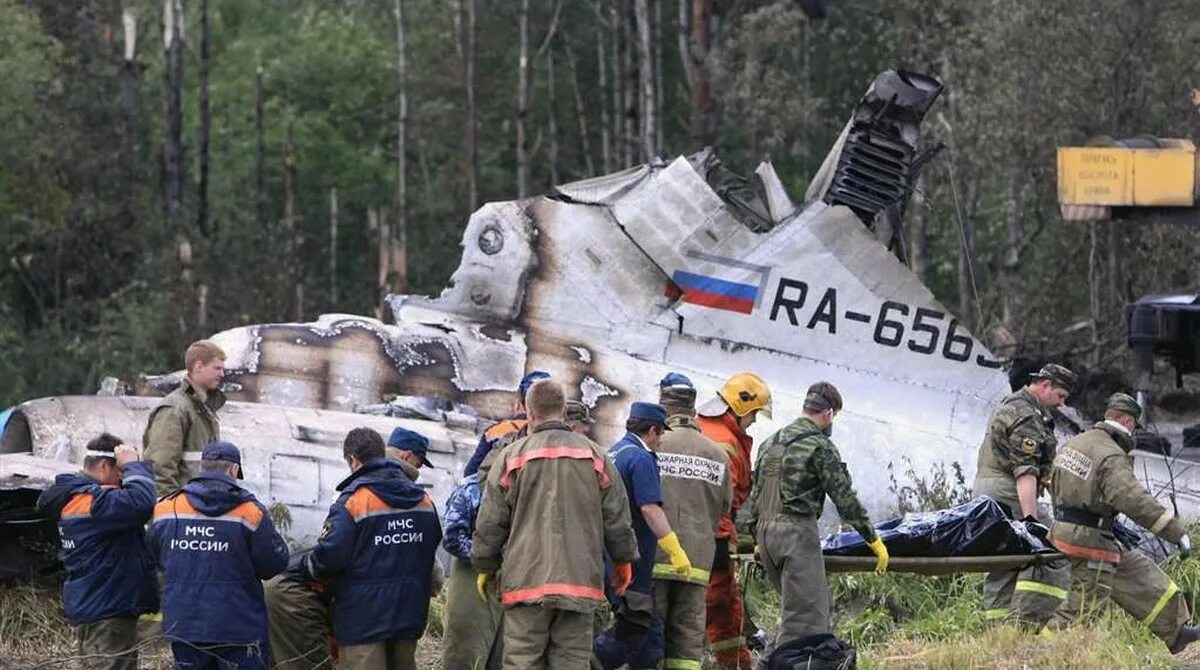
[[1136, 585], [790, 548], [537, 638], [298, 625], [107, 644], [388, 655], [471, 629]]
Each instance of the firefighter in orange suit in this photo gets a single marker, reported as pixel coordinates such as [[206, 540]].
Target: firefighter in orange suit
[[724, 420]]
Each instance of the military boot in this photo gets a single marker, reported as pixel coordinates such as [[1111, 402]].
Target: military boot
[[1186, 636]]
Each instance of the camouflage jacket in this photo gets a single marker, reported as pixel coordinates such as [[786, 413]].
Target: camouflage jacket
[[765, 500], [812, 468], [1019, 441], [186, 420], [1094, 473]]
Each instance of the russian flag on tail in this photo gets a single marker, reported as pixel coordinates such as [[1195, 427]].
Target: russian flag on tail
[[712, 292]]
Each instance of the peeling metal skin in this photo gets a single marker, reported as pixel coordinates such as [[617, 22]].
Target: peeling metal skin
[[595, 283]]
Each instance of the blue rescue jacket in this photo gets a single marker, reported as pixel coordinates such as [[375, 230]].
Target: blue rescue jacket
[[461, 508], [109, 571], [377, 550], [638, 466], [214, 543]]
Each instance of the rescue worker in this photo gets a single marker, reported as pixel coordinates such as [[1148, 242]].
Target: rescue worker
[[697, 492], [100, 514], [410, 449], [471, 628], [724, 420], [552, 506], [299, 627], [810, 469], [1092, 482], [635, 638], [1014, 467], [377, 549], [516, 425], [214, 543], [186, 420], [579, 418]]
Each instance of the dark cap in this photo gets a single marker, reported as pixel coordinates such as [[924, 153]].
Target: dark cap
[[224, 452], [408, 440], [1057, 375], [577, 411], [648, 411], [1123, 402], [677, 391], [528, 381]]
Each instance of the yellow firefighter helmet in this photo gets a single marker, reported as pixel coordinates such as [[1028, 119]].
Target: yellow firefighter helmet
[[746, 392]]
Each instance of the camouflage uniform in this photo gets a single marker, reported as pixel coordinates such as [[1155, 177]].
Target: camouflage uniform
[[810, 468], [1019, 441], [1093, 481]]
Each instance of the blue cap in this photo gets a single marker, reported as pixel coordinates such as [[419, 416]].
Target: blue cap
[[226, 452], [528, 381], [675, 380], [408, 440], [648, 411]]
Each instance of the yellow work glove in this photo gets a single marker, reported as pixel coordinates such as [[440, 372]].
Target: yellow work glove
[[481, 581], [680, 564], [881, 553]]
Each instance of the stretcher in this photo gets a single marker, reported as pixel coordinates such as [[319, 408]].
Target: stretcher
[[932, 565]]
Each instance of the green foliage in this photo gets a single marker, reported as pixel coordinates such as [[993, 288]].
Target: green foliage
[[944, 487]]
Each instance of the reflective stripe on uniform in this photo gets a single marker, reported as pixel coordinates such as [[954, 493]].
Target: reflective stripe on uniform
[[731, 643], [1087, 552], [1162, 522], [1172, 589], [992, 615], [537, 592], [665, 571], [681, 664], [1044, 589]]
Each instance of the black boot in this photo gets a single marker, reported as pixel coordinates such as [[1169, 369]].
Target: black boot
[[1186, 636]]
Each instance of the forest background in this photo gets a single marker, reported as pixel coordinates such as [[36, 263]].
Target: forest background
[[170, 168]]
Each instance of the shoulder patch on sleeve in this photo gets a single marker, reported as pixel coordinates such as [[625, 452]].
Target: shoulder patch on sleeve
[[1029, 445], [326, 530]]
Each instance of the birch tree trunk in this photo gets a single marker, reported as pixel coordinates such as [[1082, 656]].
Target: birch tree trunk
[[523, 105], [466, 10], [294, 275], [260, 151], [173, 112], [606, 151], [647, 107], [205, 123], [399, 251], [333, 247], [552, 121], [618, 89], [130, 77]]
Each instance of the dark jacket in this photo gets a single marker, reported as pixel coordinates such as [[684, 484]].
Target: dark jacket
[[461, 508], [491, 437], [377, 551], [214, 544], [109, 571]]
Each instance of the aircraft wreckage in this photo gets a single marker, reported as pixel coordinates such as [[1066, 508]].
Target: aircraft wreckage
[[608, 284]]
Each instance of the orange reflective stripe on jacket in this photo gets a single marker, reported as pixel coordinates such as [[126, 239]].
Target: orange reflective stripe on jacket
[[80, 504], [179, 507], [1089, 553], [580, 453], [537, 592], [365, 503], [504, 428]]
